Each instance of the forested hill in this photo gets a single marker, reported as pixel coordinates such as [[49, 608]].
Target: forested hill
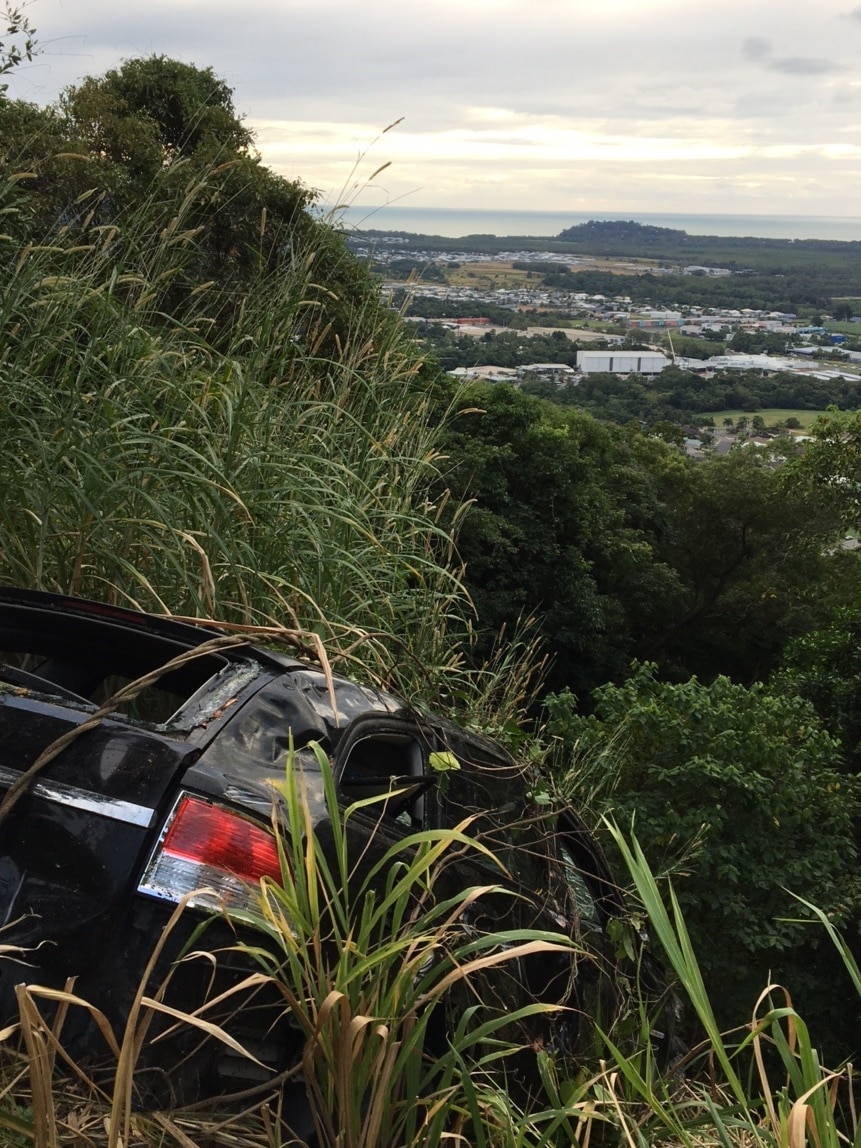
[[785, 270], [627, 238]]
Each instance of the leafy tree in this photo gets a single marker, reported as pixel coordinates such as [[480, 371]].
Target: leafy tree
[[735, 791], [153, 157], [682, 396], [622, 547], [758, 342], [558, 528], [152, 110], [831, 465], [824, 668], [754, 560], [669, 432]]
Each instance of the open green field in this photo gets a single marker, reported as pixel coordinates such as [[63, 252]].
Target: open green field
[[771, 415]]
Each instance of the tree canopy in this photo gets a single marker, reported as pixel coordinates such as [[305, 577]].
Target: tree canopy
[[151, 157], [152, 110], [622, 547], [734, 790], [559, 528]]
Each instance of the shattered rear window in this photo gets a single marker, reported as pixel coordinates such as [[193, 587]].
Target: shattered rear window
[[160, 704]]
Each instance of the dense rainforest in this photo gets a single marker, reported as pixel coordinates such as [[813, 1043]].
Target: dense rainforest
[[207, 409]]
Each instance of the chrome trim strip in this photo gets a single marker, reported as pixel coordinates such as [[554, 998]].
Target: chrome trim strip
[[86, 800]]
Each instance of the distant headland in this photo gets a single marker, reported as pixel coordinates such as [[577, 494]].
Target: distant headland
[[453, 223]]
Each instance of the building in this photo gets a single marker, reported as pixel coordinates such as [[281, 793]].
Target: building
[[489, 373], [622, 362], [556, 372]]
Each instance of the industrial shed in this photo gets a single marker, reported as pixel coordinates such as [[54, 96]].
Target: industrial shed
[[622, 362]]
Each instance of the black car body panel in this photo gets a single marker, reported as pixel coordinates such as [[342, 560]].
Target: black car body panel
[[82, 851]]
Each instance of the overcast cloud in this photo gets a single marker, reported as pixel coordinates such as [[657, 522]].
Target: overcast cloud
[[609, 105]]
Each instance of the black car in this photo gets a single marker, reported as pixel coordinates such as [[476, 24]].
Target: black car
[[117, 807]]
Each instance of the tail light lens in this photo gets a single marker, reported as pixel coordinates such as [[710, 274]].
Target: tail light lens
[[210, 847]]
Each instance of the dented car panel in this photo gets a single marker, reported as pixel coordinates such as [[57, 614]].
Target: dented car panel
[[161, 794]]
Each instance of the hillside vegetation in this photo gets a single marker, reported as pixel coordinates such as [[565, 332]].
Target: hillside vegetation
[[207, 410]]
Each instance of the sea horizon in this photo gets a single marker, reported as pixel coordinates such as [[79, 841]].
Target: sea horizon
[[454, 223]]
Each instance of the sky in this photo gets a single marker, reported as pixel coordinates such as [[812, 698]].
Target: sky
[[737, 107]]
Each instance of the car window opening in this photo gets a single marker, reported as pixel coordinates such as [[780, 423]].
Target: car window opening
[[86, 660], [383, 762], [89, 685]]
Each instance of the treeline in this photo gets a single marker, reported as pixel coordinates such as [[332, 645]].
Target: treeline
[[497, 348], [821, 257], [791, 291], [623, 548], [683, 397], [783, 274], [424, 307]]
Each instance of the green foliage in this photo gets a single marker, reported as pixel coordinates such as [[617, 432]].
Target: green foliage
[[18, 43], [776, 1090], [832, 463], [736, 790], [368, 958], [824, 667], [758, 342], [683, 397], [755, 562], [153, 157], [154, 109], [554, 530], [621, 547], [779, 274], [207, 409]]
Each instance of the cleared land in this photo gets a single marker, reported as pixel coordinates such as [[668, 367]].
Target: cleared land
[[771, 415], [491, 276]]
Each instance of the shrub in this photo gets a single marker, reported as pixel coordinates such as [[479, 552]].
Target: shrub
[[736, 791]]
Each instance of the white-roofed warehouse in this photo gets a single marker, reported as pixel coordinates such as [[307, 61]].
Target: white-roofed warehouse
[[622, 362]]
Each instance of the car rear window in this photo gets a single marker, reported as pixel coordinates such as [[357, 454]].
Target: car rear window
[[85, 660]]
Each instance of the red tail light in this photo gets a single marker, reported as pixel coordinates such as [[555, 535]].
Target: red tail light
[[210, 846]]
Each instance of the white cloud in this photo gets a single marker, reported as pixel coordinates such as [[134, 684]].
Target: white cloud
[[515, 103]]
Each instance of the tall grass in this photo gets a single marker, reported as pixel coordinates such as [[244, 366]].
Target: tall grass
[[762, 1084], [260, 455], [367, 953], [364, 959]]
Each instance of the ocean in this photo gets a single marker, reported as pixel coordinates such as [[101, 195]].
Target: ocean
[[455, 222]]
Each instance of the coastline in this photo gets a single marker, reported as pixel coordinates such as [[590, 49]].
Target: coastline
[[458, 223]]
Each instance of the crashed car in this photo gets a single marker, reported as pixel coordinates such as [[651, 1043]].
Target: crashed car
[[118, 807]]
